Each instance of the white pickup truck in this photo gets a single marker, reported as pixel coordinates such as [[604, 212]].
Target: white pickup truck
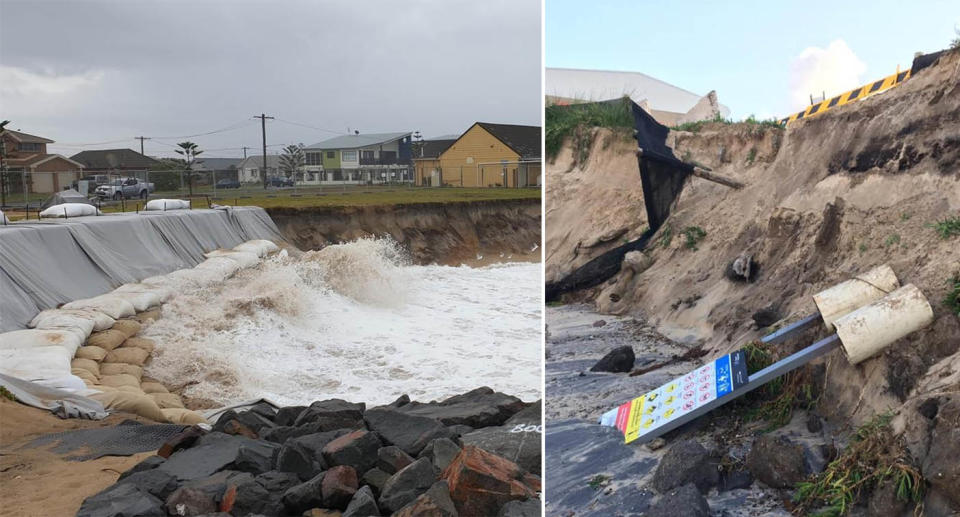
[[125, 188]]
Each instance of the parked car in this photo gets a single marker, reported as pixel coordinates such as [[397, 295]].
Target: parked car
[[95, 180], [226, 183], [125, 188], [277, 181]]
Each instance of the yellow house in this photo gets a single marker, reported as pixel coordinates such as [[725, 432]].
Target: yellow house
[[426, 161], [489, 155]]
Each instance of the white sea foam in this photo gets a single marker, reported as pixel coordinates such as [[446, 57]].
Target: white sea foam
[[354, 321]]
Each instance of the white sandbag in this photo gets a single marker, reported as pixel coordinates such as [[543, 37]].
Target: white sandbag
[[36, 364], [36, 338], [167, 204], [69, 382], [69, 210], [223, 265], [164, 293], [156, 281], [141, 301], [112, 306], [261, 247], [52, 319], [244, 258], [197, 277]]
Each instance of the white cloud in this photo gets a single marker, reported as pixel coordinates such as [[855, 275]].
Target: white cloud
[[833, 70], [20, 82]]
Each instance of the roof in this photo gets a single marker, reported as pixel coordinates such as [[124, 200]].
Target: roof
[[114, 159], [434, 148], [357, 141], [217, 164], [256, 162], [524, 140], [28, 138]]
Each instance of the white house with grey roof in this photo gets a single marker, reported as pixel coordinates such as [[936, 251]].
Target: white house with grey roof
[[250, 170], [361, 158]]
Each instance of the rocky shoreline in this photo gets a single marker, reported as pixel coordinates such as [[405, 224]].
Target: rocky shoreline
[[474, 454]]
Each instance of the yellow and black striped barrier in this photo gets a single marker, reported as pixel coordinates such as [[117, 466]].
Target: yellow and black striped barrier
[[847, 97]]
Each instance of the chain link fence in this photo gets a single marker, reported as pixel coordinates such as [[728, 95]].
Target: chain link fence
[[509, 174]]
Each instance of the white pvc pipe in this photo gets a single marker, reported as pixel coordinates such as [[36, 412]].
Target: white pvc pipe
[[843, 298], [866, 331]]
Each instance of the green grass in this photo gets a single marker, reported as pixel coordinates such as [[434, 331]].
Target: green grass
[[5, 393], [692, 236], [952, 300], [862, 248], [947, 228], [756, 125], [892, 240], [599, 481], [752, 155], [564, 121], [666, 236], [776, 400], [873, 456]]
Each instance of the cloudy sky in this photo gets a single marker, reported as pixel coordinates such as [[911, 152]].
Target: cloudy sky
[[94, 74], [762, 57]]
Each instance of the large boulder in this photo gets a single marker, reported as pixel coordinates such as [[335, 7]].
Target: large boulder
[[190, 502], [304, 496], [409, 432], [482, 482], [357, 449], [481, 407], [686, 462], [520, 442], [287, 415], [618, 360], [686, 500], [776, 462], [256, 460], [334, 413], [338, 486], [435, 502], [527, 508], [406, 485], [363, 504], [155, 482], [392, 459], [211, 453], [122, 499], [441, 453]]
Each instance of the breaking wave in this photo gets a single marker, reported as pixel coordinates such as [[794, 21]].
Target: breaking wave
[[355, 321]]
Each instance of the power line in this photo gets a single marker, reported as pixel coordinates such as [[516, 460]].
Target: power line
[[215, 131], [310, 127]]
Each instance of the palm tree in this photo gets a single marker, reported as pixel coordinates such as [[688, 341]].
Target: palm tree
[[189, 151]]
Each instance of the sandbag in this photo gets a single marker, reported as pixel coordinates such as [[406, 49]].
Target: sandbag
[[244, 258], [69, 210], [141, 301], [197, 277], [138, 404], [130, 389], [131, 355], [120, 379], [153, 387], [167, 400], [107, 339], [140, 342], [86, 375], [91, 352], [156, 281], [261, 247], [148, 316], [162, 292], [66, 320], [129, 328], [183, 416], [112, 306], [34, 338], [167, 204], [223, 265], [86, 364], [107, 368]]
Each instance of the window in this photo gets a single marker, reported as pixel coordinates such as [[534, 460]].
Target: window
[[330, 154], [367, 156], [348, 156], [254, 173], [30, 147], [314, 159]]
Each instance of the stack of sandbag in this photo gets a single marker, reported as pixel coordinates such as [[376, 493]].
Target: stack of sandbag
[[69, 210], [261, 247], [42, 356], [167, 204]]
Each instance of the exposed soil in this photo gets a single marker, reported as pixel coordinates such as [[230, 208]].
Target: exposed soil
[[471, 233]]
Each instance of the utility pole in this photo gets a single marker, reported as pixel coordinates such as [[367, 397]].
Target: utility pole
[[263, 127], [3, 165], [245, 151], [141, 139]]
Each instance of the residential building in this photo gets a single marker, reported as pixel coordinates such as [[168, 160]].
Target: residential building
[[250, 170], [492, 155], [28, 164], [122, 162], [216, 169], [426, 160], [361, 158], [670, 105]]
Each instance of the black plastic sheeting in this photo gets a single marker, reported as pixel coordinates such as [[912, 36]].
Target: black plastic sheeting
[[126, 439], [925, 60], [662, 177], [51, 262]]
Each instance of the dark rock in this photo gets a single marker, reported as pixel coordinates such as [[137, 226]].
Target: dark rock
[[401, 401], [520, 442], [735, 479], [459, 430], [409, 432], [237, 428], [338, 486], [264, 409], [481, 407], [392, 459], [154, 482], [776, 462], [334, 410], [940, 468], [530, 415], [618, 360], [599, 323], [406, 485], [528, 508], [211, 453], [256, 459], [363, 504], [357, 449], [884, 502], [252, 498], [190, 502], [286, 416], [937, 504], [814, 424], [376, 479], [441, 452], [741, 269], [766, 317], [481, 482], [255, 420], [276, 481], [435, 502], [297, 458], [304, 496], [686, 501], [183, 440], [150, 462], [929, 408], [686, 462], [122, 500], [215, 485], [282, 434]]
